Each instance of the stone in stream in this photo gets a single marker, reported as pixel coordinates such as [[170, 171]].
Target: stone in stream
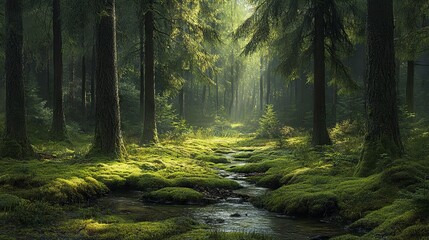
[[235, 215]]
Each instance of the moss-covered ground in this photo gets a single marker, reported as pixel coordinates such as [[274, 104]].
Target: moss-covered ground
[[50, 197], [319, 182]]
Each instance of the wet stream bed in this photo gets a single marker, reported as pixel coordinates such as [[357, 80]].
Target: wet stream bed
[[231, 214]]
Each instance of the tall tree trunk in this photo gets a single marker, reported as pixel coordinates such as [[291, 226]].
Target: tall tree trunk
[[203, 100], [334, 103], [58, 130], [231, 101], [268, 96], [93, 69], [149, 126], [320, 132], [182, 102], [83, 68], [141, 49], [48, 78], [382, 135], [261, 87], [217, 93], [410, 86], [71, 90], [15, 143], [108, 135]]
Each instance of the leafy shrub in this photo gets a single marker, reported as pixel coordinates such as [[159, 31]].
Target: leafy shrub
[[169, 125], [37, 111], [268, 124], [346, 129]]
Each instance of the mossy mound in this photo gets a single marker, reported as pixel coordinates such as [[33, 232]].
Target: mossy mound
[[9, 202], [301, 202], [202, 234], [72, 190], [147, 182], [174, 195], [212, 158], [93, 229], [34, 214]]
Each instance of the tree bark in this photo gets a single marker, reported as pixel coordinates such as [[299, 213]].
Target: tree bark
[[108, 135], [383, 136], [182, 102], [149, 126], [231, 101], [217, 93], [142, 58], [268, 96], [58, 130], [15, 143], [410, 86], [48, 78], [93, 69], [83, 69], [261, 87], [320, 132]]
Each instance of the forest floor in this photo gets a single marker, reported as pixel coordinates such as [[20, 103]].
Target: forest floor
[[53, 197]]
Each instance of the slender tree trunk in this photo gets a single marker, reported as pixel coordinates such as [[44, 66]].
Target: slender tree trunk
[[83, 68], [268, 101], [58, 130], [320, 132], [261, 87], [231, 102], [48, 78], [217, 93], [382, 135], [15, 143], [334, 103], [203, 100], [182, 102], [141, 49], [108, 136], [71, 98], [149, 126], [410, 86], [93, 69]]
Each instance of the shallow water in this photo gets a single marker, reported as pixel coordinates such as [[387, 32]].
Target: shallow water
[[230, 215]]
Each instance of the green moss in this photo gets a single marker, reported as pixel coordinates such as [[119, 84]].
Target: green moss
[[202, 234], [383, 217], [178, 195], [10, 202], [91, 229], [418, 231], [347, 237], [301, 199], [244, 155], [72, 190], [212, 158], [148, 181], [34, 213], [270, 181]]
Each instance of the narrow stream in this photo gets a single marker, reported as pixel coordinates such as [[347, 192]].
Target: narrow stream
[[233, 214]]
